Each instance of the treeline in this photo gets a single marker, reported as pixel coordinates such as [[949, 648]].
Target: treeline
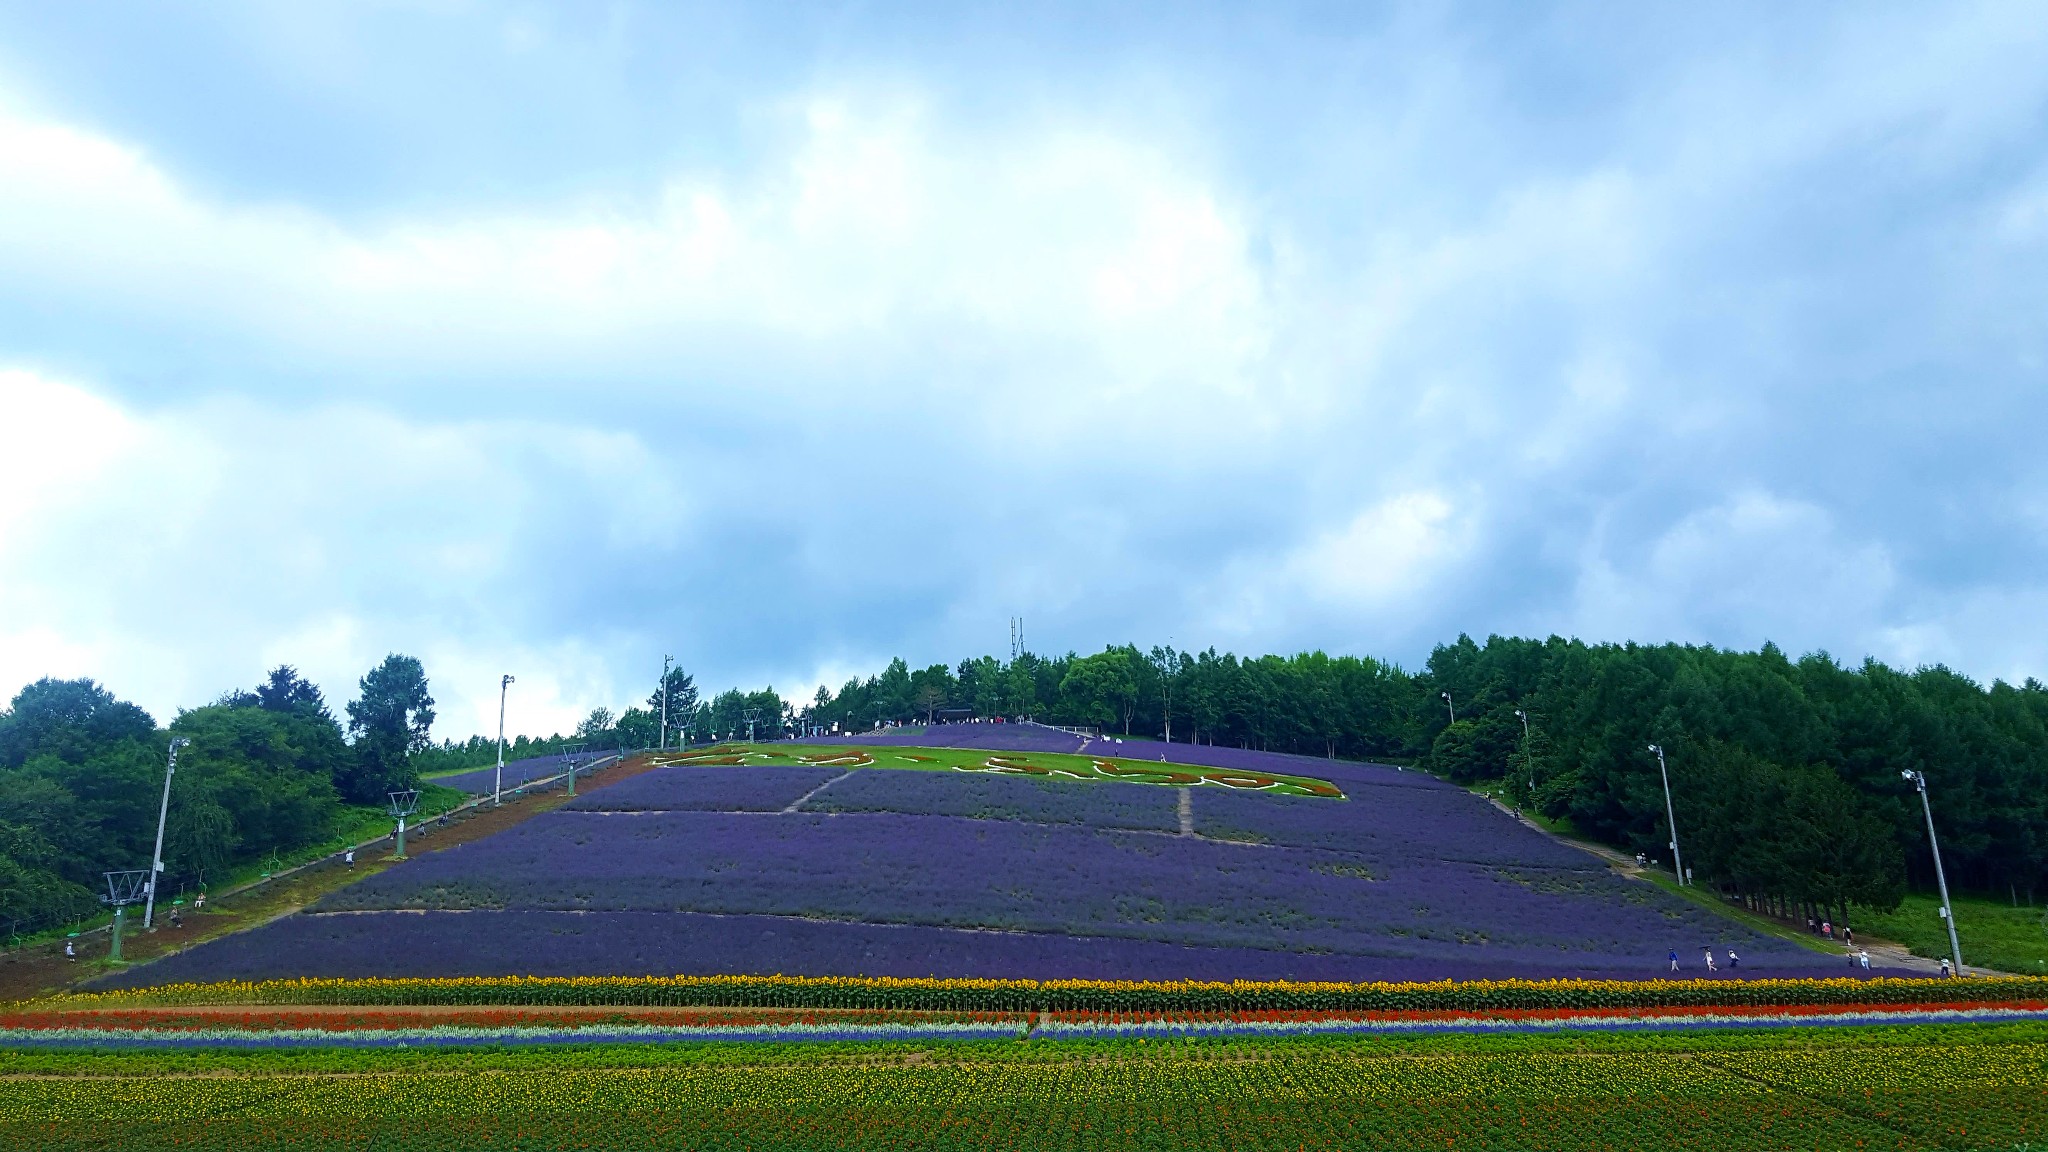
[[265, 771], [1785, 774]]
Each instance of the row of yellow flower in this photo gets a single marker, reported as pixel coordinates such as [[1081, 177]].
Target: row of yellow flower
[[1159, 1097], [1074, 995]]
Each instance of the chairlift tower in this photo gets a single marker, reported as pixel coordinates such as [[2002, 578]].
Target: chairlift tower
[[569, 752], [123, 889], [403, 804]]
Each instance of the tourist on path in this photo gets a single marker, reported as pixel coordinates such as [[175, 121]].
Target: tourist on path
[[1674, 959], [1733, 959], [1710, 959]]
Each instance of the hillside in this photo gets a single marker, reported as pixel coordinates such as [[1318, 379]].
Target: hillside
[[889, 860]]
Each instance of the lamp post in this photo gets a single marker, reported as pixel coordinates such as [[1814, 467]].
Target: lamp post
[[1948, 913], [156, 859], [498, 781], [1528, 765], [664, 702], [1670, 815], [1451, 706]]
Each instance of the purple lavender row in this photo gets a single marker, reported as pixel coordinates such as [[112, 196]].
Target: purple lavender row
[[402, 944], [939, 871]]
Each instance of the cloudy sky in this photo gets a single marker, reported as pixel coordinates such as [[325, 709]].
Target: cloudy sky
[[551, 339]]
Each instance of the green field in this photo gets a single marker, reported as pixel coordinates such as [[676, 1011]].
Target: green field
[[1951, 1086], [1050, 764], [1993, 933]]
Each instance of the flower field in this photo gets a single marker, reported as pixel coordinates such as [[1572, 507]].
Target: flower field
[[821, 861], [1954, 1086]]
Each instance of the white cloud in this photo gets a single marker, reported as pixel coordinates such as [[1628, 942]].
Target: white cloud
[[178, 553], [877, 225], [1756, 567]]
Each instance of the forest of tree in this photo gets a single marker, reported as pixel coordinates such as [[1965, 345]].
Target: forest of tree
[[269, 770], [1785, 774]]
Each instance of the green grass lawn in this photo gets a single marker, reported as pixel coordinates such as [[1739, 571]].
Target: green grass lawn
[[1993, 933], [1055, 765]]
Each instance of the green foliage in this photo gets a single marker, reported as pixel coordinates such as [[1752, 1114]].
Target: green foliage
[[268, 771], [390, 722]]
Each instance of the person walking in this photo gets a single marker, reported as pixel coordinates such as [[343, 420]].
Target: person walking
[[1863, 958], [349, 857], [1674, 960], [70, 953], [1710, 959], [1733, 960], [1848, 936], [1946, 970]]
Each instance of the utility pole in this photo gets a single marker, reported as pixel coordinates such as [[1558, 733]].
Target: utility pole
[[156, 859], [664, 703], [1948, 912], [1451, 706], [1670, 815], [498, 782]]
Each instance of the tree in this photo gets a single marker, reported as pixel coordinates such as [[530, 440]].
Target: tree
[[637, 728], [287, 691], [68, 719], [1170, 667], [679, 691], [597, 728], [389, 722]]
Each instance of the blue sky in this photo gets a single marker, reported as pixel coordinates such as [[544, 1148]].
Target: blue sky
[[548, 339]]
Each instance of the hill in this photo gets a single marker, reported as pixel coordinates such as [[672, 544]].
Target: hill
[[893, 860]]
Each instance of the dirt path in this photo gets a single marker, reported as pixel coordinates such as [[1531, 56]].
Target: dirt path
[[32, 972]]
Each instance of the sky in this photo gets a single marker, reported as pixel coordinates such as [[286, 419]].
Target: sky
[[551, 339]]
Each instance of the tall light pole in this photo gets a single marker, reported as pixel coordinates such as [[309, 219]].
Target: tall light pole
[[1451, 706], [1948, 912], [1528, 765], [498, 782], [664, 703], [1670, 815], [156, 859]]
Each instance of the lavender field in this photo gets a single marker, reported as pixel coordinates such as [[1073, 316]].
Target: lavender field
[[914, 872]]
